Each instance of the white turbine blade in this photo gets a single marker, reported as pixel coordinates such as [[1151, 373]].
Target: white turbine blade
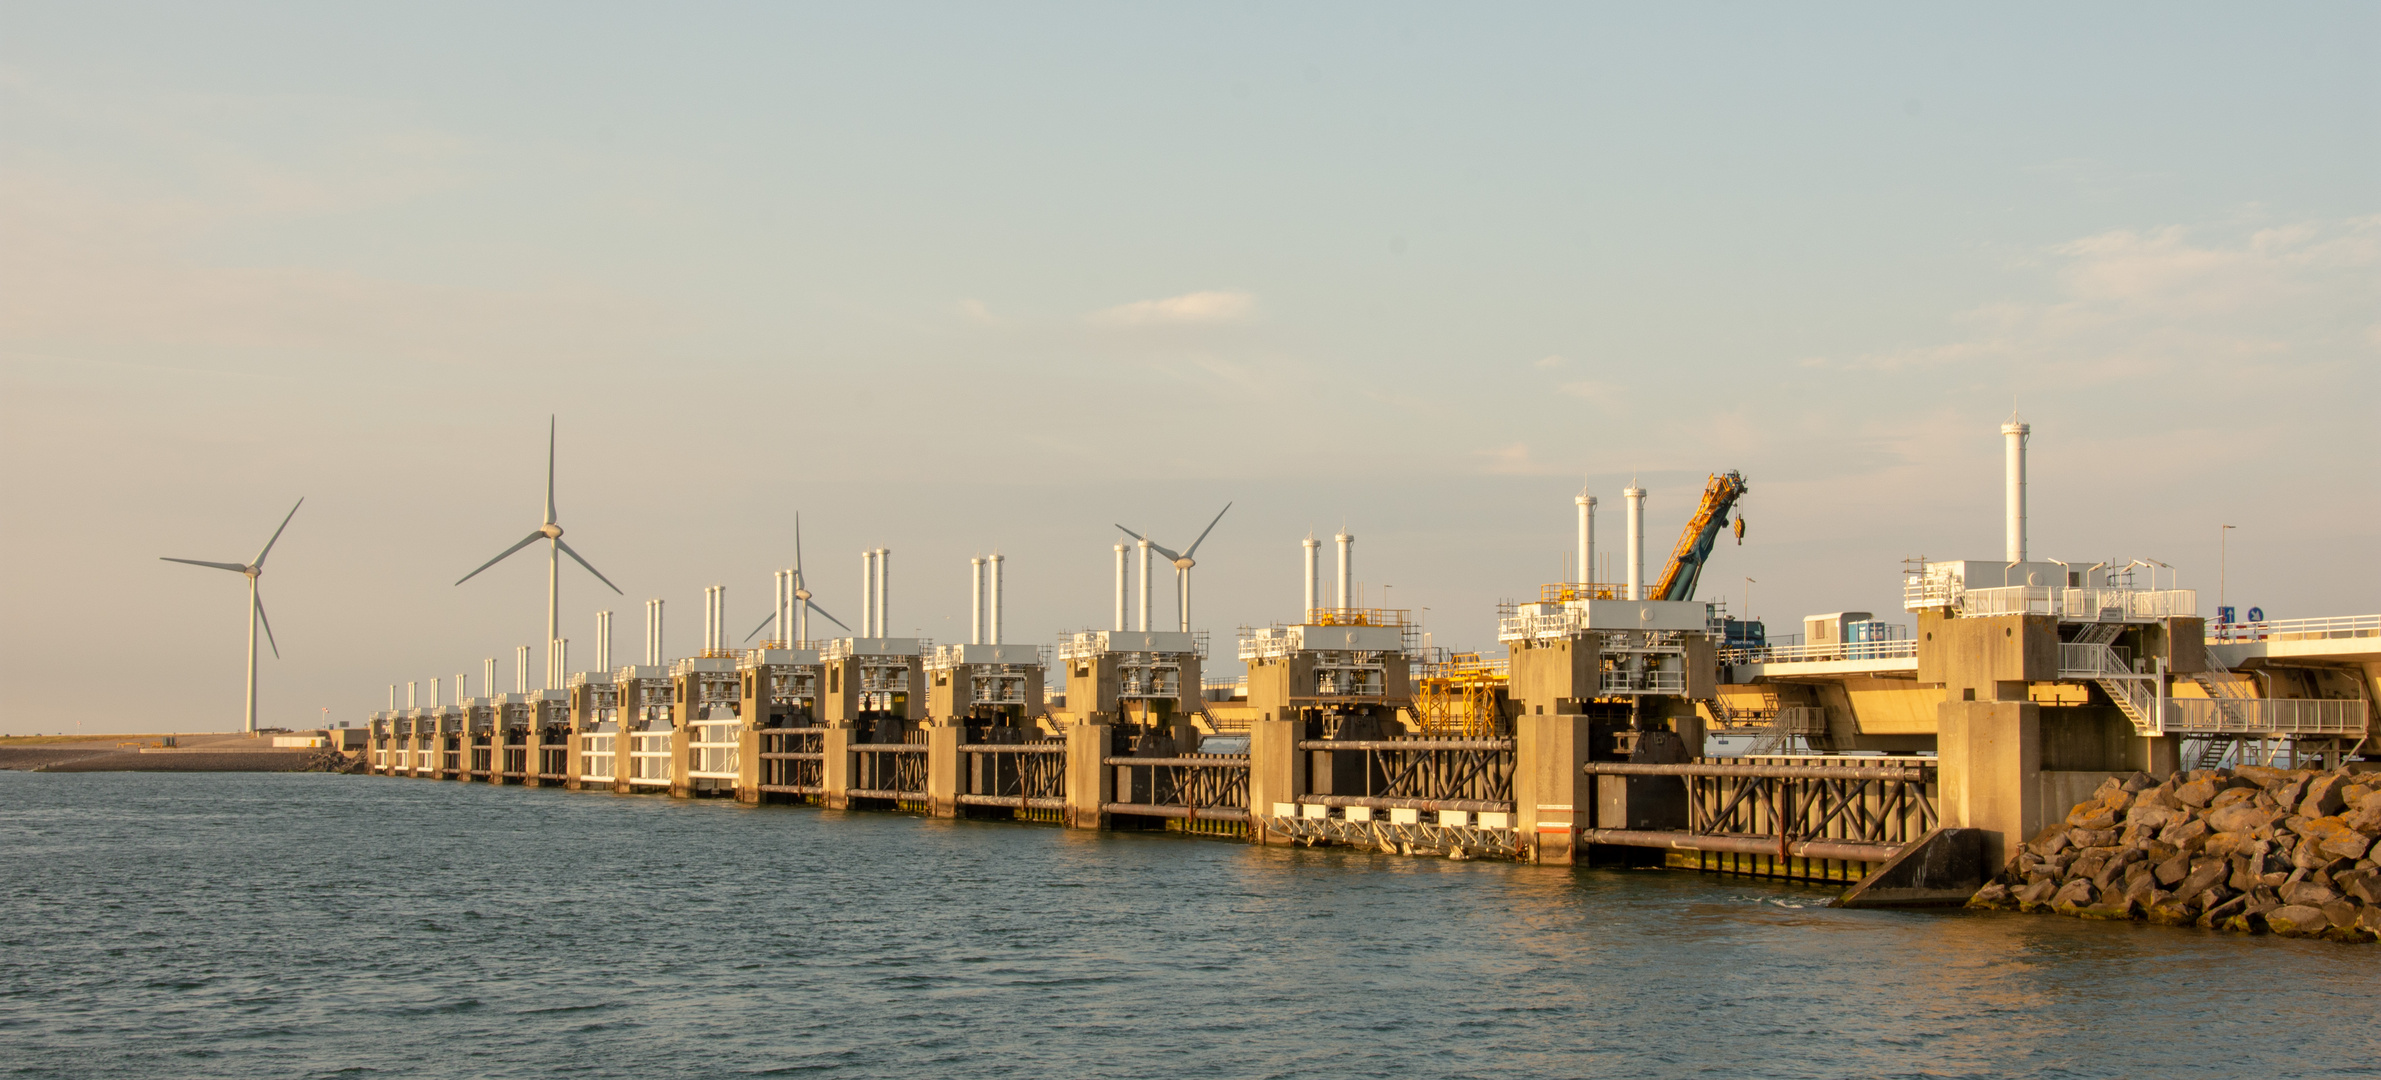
[[550, 472], [293, 512], [817, 610], [599, 575], [233, 567], [1159, 548], [525, 542], [1219, 516], [260, 615], [797, 549]]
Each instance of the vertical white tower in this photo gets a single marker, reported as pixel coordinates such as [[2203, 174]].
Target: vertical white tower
[[1586, 569], [653, 633], [462, 688], [488, 674], [410, 702], [1347, 570], [603, 644], [521, 670], [434, 693], [975, 601], [884, 590], [1636, 499], [867, 593], [2013, 435], [1120, 586], [1314, 556], [992, 626], [1144, 623]]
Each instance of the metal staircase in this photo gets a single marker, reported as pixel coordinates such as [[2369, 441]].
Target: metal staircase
[[2227, 688], [2090, 657]]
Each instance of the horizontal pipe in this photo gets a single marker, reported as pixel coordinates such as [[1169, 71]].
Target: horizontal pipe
[[1201, 813], [1911, 773], [1405, 744], [1845, 850], [793, 789], [1482, 806], [1013, 748], [791, 730], [1015, 801], [793, 755], [887, 747], [875, 793], [1227, 761]]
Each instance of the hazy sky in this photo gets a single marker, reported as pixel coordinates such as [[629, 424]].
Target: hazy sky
[[952, 278]]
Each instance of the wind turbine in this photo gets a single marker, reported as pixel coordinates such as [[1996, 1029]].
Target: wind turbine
[[256, 605], [555, 549], [1182, 565], [801, 595]]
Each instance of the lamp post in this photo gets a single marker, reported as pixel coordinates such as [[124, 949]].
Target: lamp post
[[2223, 564]]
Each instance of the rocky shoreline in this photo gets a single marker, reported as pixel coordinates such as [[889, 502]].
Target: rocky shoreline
[[2250, 850]]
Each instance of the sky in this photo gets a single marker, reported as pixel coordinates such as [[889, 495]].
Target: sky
[[951, 279]]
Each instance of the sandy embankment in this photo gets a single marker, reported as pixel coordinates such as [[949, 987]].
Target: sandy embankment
[[195, 753]]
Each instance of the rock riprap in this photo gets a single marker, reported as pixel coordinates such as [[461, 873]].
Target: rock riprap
[[2250, 850]]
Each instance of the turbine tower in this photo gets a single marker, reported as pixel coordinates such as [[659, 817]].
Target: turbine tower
[[1182, 566], [794, 603], [256, 605], [551, 533]]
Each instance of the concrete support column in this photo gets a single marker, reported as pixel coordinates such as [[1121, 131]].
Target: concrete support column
[[1551, 793], [943, 761], [835, 773], [1087, 783], [748, 754], [1274, 779], [682, 749], [1989, 754]]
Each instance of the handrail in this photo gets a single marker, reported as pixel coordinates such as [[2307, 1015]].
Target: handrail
[[2294, 629]]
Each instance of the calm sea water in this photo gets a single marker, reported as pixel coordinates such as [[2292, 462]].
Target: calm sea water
[[310, 925]]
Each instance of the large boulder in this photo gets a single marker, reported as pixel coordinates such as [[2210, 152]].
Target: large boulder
[[2324, 795], [2073, 894], [2297, 920], [2240, 817], [2197, 792], [2205, 874]]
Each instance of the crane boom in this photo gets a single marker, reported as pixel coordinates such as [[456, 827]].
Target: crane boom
[[1695, 541]]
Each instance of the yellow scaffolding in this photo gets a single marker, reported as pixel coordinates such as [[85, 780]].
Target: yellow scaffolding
[[1461, 696]]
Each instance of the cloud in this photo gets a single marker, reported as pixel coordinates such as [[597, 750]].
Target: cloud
[[1550, 362], [2160, 302], [1512, 459], [1198, 307]]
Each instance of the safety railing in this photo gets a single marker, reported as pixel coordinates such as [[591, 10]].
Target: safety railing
[[1895, 649], [2343, 626], [2080, 605], [2266, 716]]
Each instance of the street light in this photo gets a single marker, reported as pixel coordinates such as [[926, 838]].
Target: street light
[[2223, 565]]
